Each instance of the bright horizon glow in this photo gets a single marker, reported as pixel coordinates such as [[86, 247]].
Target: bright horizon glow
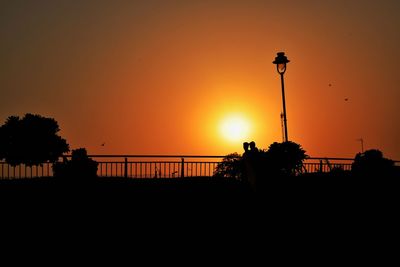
[[234, 128]]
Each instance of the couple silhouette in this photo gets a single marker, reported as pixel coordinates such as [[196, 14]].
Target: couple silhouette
[[253, 149], [250, 163]]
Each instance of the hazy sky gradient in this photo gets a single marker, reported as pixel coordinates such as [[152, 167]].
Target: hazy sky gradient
[[151, 77]]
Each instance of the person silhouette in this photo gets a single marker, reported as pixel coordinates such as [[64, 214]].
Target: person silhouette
[[253, 165], [246, 149], [245, 161], [253, 148]]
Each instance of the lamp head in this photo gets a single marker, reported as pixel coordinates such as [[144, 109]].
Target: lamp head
[[280, 61]]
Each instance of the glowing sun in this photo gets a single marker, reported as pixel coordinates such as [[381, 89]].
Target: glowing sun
[[235, 128]]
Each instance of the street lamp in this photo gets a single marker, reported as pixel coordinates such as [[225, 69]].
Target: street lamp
[[280, 62]]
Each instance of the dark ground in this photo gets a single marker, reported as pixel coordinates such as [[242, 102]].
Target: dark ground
[[290, 218], [285, 197]]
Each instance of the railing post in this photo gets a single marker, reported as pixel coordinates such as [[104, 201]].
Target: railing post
[[126, 168], [183, 168]]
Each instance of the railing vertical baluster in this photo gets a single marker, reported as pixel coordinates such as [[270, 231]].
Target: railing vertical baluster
[[165, 169], [201, 169], [136, 168], [183, 168], [126, 168]]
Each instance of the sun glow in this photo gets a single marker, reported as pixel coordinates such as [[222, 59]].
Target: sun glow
[[235, 128]]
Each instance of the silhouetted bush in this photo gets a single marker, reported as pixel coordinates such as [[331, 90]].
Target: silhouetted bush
[[283, 159], [80, 166], [230, 167], [371, 163], [31, 140]]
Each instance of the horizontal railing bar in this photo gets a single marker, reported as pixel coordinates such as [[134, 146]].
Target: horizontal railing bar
[[317, 158], [150, 156], [158, 162]]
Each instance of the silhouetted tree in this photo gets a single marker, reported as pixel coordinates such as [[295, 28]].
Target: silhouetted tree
[[230, 167], [31, 140], [283, 158], [371, 163], [80, 166]]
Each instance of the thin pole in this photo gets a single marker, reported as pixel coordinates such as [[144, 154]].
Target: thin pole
[[282, 128], [286, 138], [183, 168]]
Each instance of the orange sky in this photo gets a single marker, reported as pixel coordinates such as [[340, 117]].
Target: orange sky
[[158, 77]]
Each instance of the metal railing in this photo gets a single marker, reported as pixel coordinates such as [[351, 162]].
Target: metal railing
[[161, 166], [128, 166], [22, 171], [313, 165]]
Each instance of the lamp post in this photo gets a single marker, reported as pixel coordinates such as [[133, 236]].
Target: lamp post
[[280, 62]]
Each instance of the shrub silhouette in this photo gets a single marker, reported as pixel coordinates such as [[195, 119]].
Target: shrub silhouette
[[283, 159], [230, 167], [31, 140], [372, 163], [80, 166]]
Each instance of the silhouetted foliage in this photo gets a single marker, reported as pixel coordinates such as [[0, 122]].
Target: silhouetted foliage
[[230, 167], [372, 163], [281, 159], [80, 165], [31, 140], [284, 158]]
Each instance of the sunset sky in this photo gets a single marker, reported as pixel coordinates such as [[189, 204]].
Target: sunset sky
[[178, 77]]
